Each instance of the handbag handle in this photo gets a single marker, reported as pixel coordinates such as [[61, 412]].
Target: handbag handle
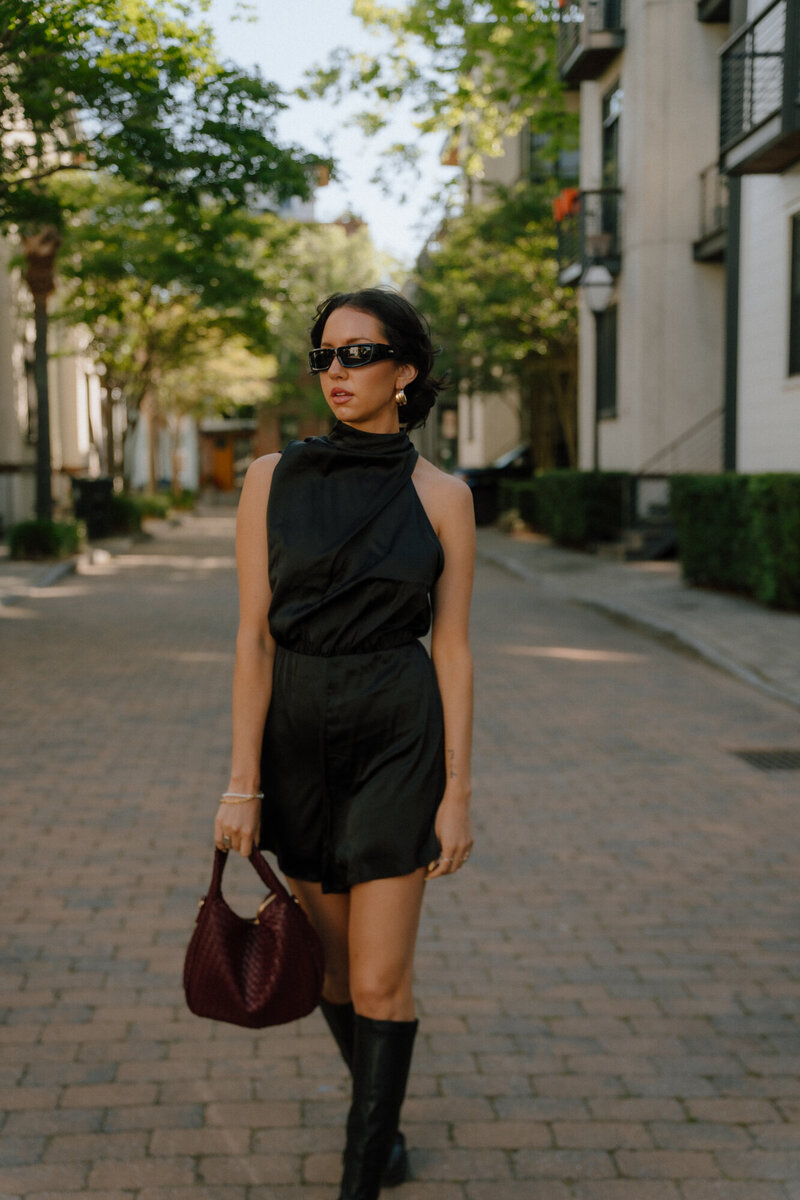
[[260, 865]]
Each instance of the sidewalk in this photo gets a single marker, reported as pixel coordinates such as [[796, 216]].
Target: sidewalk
[[19, 579], [758, 645]]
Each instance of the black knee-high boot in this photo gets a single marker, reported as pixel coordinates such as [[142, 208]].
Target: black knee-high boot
[[340, 1019], [381, 1062]]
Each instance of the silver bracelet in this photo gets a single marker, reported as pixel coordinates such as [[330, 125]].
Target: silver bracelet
[[240, 797]]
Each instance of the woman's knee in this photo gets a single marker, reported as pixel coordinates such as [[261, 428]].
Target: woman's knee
[[381, 997]]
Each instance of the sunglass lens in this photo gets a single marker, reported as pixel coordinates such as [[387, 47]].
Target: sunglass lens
[[356, 356], [320, 360]]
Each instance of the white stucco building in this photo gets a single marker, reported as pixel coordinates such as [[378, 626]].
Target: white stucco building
[[689, 196], [760, 122]]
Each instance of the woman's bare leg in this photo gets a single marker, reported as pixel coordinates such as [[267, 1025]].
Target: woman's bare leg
[[384, 919], [329, 914]]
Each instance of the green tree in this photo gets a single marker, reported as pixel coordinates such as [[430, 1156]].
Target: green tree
[[134, 87], [475, 71], [489, 283], [224, 376], [157, 295], [339, 257], [184, 317]]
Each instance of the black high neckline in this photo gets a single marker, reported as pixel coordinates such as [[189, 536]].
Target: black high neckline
[[347, 437]]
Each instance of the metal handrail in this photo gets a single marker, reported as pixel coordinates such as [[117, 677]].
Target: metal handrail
[[679, 441], [587, 16], [593, 232], [752, 70]]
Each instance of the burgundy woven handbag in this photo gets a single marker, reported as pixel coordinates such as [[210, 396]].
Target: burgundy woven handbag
[[257, 971]]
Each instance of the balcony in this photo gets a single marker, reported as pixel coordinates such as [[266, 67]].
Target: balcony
[[589, 231], [760, 94], [712, 243], [590, 36]]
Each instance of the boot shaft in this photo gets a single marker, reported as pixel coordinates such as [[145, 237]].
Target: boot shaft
[[382, 1053]]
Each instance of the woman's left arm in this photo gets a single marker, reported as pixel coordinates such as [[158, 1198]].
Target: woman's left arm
[[452, 661]]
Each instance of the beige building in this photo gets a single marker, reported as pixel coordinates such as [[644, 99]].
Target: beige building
[[684, 237], [651, 211], [76, 418], [760, 123]]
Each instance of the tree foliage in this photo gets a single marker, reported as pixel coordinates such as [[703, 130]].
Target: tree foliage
[[203, 315], [489, 283], [154, 292], [133, 87], [324, 259], [476, 72]]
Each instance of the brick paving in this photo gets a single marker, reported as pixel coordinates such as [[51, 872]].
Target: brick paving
[[609, 995], [757, 644]]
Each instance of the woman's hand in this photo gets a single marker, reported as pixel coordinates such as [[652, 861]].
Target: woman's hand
[[241, 823], [454, 831]]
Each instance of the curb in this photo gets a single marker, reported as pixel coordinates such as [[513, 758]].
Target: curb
[[670, 635], [49, 576], [68, 566]]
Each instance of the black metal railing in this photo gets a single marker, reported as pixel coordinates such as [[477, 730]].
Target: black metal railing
[[713, 202], [581, 18], [591, 233], [752, 76]]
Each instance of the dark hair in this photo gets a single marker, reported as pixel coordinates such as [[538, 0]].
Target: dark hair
[[406, 330]]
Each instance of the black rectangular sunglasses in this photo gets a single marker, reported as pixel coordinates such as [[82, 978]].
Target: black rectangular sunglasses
[[357, 355]]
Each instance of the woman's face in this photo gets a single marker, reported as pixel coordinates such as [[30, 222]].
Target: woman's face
[[362, 396]]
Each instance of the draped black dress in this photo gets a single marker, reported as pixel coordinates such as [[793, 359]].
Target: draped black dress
[[352, 762]]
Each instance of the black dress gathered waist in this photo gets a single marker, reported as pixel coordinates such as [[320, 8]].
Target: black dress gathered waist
[[353, 752]]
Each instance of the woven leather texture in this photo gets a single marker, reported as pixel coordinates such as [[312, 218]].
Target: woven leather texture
[[258, 971]]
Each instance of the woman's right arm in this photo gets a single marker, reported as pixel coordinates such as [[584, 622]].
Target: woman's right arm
[[255, 652]]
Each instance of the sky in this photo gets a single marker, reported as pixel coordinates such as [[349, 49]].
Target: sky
[[287, 39]]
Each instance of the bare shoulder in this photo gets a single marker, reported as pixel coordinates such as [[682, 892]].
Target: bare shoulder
[[444, 497], [261, 469]]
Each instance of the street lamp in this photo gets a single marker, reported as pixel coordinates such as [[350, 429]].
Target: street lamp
[[597, 283]]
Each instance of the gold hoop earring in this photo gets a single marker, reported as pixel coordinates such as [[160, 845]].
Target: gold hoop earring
[[400, 398]]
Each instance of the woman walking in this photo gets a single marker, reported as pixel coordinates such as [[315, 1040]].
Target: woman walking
[[347, 546]]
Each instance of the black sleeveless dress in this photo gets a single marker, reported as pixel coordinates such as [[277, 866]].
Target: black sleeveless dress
[[352, 763]]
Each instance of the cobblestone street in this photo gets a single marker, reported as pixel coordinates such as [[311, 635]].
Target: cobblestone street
[[609, 994]]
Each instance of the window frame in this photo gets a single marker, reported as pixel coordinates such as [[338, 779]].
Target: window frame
[[794, 297], [606, 360]]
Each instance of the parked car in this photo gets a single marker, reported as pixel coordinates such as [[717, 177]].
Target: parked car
[[484, 482]]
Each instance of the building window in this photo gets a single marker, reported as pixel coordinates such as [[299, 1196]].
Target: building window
[[542, 167], [607, 363], [612, 112], [794, 301]]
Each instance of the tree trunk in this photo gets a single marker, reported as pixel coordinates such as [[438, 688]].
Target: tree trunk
[[40, 257], [44, 483], [175, 453], [108, 424]]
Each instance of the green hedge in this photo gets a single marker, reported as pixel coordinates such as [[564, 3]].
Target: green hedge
[[128, 509], [574, 508], [577, 508], [184, 499], [519, 496], [153, 505], [44, 539], [740, 533]]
